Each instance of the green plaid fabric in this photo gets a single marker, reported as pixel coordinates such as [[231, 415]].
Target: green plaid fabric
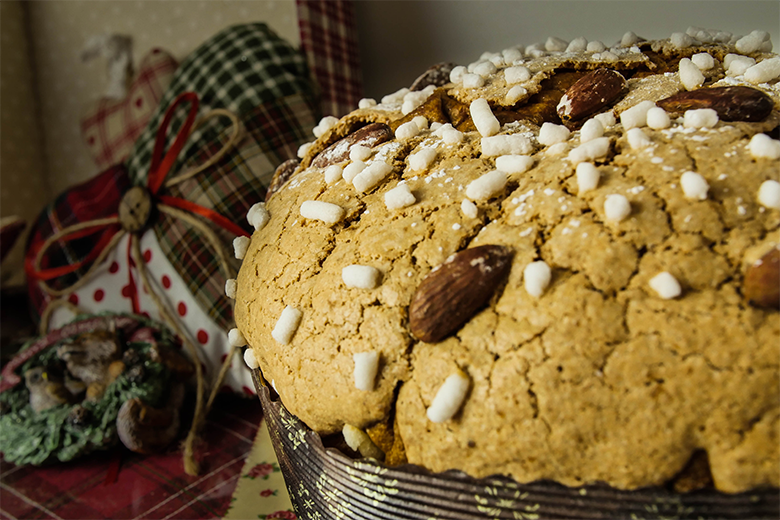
[[274, 131], [250, 71], [238, 69]]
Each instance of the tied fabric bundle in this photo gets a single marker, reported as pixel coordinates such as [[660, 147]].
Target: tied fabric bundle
[[250, 72], [136, 207], [94, 249]]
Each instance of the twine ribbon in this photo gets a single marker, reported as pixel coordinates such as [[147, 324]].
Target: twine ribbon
[[113, 228]]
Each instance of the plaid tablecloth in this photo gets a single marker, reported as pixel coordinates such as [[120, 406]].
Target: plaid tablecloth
[[146, 486]]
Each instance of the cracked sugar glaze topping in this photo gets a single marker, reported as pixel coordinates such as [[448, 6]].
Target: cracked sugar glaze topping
[[557, 262]]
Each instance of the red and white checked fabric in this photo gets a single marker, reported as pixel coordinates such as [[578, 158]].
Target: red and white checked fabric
[[330, 43], [111, 126]]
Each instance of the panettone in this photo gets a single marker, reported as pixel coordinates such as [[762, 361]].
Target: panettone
[[560, 262]]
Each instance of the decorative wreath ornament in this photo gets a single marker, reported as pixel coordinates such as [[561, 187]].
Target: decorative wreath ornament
[[86, 386]]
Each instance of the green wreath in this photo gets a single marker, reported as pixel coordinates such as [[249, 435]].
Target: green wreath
[[81, 424]]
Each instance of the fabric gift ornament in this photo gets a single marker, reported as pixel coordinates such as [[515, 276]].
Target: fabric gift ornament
[[252, 73], [137, 209], [110, 127], [255, 75]]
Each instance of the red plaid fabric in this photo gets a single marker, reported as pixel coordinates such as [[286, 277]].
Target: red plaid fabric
[[329, 41], [96, 198], [111, 126], [146, 486]]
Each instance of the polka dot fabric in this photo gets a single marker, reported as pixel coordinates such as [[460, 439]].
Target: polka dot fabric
[[110, 290], [116, 284]]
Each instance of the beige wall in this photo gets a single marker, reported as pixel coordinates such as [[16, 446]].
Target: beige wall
[[23, 186]]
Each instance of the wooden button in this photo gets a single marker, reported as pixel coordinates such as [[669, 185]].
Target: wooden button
[[134, 209]]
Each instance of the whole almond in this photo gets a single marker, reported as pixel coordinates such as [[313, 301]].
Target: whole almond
[[591, 93], [453, 293], [762, 281], [282, 174], [370, 136], [736, 103]]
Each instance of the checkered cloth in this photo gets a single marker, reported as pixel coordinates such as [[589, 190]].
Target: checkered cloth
[[274, 131], [111, 126], [240, 68], [146, 486], [94, 199], [329, 41], [250, 71]]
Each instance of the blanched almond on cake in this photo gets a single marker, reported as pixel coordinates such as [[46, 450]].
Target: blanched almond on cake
[[591, 93], [369, 136], [737, 103], [360, 442], [762, 281], [453, 293]]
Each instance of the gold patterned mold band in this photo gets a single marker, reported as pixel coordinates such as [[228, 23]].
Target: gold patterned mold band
[[324, 483]]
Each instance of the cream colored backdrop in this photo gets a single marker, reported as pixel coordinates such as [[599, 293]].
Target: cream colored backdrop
[[41, 67], [24, 188]]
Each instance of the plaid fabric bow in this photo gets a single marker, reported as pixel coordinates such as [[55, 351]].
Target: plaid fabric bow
[[137, 209], [134, 210], [251, 72], [248, 70]]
